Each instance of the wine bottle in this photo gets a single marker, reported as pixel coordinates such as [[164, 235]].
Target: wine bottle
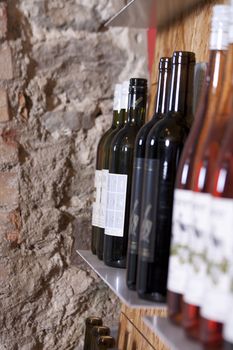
[[199, 231], [220, 240], [138, 168], [182, 213], [98, 172], [163, 148], [97, 332], [90, 323], [105, 168], [120, 177], [218, 298], [105, 343]]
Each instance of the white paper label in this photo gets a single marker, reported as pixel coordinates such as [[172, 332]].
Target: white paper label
[[181, 231], [196, 269], [219, 261], [96, 204], [228, 329], [103, 198], [116, 201]]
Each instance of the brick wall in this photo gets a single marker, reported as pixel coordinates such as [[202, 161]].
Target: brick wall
[[57, 69]]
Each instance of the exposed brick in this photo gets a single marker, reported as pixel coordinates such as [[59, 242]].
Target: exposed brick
[[9, 136], [8, 153], [8, 189], [4, 106], [13, 237], [23, 110], [3, 20], [6, 64], [10, 221], [3, 272]]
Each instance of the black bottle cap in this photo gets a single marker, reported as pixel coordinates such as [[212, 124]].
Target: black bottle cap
[[165, 63], [95, 321], [138, 82], [183, 57]]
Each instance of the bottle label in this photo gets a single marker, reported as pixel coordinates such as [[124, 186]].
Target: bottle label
[[103, 198], [96, 204], [116, 202], [149, 206], [196, 269], [181, 231], [219, 261], [135, 209]]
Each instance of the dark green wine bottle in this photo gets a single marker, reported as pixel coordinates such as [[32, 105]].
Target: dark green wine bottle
[[120, 177], [163, 148], [164, 80], [105, 343], [98, 172], [90, 322], [105, 166], [97, 332]]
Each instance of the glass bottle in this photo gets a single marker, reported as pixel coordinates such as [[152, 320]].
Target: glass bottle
[[97, 332], [98, 172], [161, 105], [90, 322], [196, 268], [163, 148], [220, 241], [105, 167], [120, 177], [105, 343], [182, 213]]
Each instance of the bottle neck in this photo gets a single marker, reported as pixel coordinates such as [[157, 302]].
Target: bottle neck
[[226, 100], [163, 91], [116, 120], [216, 70], [137, 107], [189, 95], [178, 88]]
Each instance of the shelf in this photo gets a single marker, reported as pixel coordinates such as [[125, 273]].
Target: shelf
[[151, 13], [115, 279], [171, 335]]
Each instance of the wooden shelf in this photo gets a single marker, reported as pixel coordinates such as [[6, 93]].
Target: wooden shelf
[[116, 280], [151, 13], [171, 335]]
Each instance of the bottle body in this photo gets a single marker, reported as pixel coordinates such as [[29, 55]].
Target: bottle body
[[138, 170], [164, 145], [97, 212], [200, 181], [105, 165], [120, 177], [90, 322], [161, 163], [98, 180]]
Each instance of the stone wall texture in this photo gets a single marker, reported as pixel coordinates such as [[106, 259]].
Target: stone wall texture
[[57, 69]]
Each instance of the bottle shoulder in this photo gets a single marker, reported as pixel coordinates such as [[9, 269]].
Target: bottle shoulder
[[169, 128], [146, 128], [125, 135], [104, 138]]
